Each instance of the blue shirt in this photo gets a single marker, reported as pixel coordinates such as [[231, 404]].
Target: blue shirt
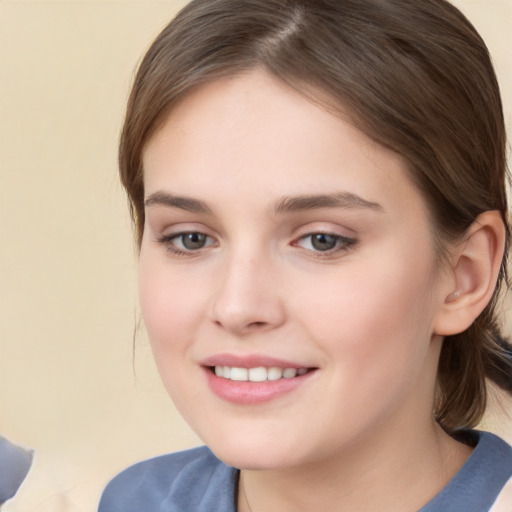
[[14, 465], [196, 481]]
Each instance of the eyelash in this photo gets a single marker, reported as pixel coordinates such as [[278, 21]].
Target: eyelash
[[342, 243], [169, 241]]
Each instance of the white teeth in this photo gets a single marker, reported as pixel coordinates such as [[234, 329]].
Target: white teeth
[[239, 374], [259, 374], [289, 373], [274, 373]]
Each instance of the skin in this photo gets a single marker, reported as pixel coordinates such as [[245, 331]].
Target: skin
[[357, 434]]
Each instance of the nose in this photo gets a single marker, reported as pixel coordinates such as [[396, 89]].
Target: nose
[[248, 296]]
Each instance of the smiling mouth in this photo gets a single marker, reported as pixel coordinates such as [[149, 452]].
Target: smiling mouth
[[258, 374]]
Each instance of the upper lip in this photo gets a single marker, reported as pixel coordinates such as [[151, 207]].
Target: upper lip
[[250, 361]]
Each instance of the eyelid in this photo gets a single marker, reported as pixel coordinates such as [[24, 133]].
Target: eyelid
[[167, 240], [343, 245]]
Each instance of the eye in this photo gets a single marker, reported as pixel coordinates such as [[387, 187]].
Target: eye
[[191, 241], [186, 242], [324, 242]]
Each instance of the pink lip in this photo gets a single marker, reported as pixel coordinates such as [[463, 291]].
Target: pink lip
[[249, 361], [250, 393]]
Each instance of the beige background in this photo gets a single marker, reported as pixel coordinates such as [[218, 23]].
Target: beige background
[[69, 387]]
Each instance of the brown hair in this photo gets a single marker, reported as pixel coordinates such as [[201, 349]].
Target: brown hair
[[413, 74]]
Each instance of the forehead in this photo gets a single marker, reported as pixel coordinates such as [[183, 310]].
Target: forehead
[[254, 133]]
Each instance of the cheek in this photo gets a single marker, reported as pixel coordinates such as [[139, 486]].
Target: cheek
[[171, 305], [172, 309], [375, 320]]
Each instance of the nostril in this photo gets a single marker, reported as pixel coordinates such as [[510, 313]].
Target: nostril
[[255, 325]]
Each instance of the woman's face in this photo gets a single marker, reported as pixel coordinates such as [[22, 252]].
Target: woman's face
[[283, 246]]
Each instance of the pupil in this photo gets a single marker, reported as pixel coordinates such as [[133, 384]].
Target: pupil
[[323, 242], [194, 240]]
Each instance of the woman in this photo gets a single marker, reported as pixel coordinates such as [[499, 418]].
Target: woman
[[318, 189]]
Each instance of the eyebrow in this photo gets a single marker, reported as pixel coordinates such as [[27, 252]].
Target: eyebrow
[[183, 203], [287, 204], [344, 200]]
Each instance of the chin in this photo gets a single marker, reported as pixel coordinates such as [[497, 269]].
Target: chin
[[255, 454], [254, 459]]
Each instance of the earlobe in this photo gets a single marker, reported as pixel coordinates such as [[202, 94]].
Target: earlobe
[[475, 268]]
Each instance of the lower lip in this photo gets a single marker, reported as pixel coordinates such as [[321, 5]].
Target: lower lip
[[248, 393]]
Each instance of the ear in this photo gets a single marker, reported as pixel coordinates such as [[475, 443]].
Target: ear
[[473, 274]]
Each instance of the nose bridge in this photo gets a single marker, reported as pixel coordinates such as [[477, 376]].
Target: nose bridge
[[247, 297]]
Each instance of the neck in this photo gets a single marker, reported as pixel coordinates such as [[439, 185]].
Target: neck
[[388, 473]]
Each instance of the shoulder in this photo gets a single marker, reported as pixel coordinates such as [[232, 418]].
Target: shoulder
[[490, 468], [504, 501], [172, 483], [484, 477]]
